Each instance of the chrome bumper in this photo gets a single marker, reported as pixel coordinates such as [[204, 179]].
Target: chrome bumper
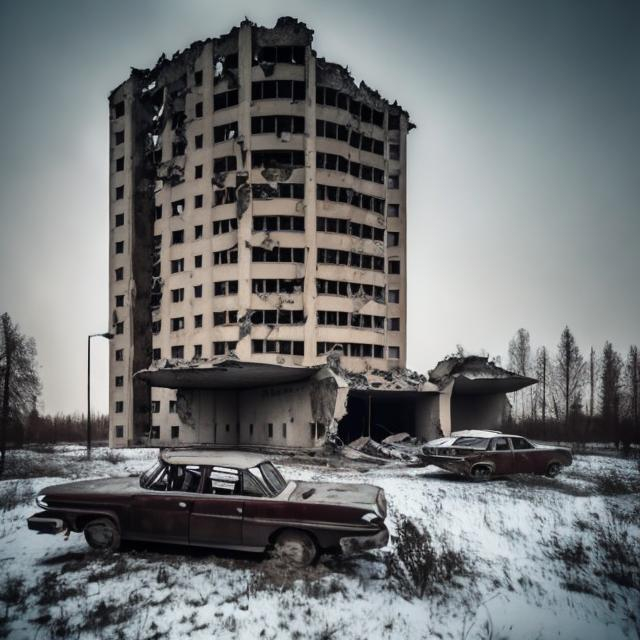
[[44, 524], [356, 544]]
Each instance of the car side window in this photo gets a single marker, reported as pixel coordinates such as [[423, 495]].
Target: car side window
[[500, 444], [251, 487], [222, 481], [520, 444], [183, 477]]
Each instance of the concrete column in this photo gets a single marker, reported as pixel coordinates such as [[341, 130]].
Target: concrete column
[[310, 293], [445, 408]]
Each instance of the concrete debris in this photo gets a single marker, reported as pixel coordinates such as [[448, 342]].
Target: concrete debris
[[245, 324], [392, 380], [276, 174], [389, 451], [219, 179], [243, 198], [396, 438], [470, 367]]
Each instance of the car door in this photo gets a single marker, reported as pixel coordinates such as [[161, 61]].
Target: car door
[[159, 513], [216, 514], [523, 456], [502, 456]]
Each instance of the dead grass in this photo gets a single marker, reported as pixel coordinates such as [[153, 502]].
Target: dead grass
[[421, 568], [13, 494], [615, 484]]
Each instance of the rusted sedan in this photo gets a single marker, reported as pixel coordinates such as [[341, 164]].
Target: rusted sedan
[[482, 454], [222, 499]]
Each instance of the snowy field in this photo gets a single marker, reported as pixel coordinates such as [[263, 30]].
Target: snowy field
[[528, 557]]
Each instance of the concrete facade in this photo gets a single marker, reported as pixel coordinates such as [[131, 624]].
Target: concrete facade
[[257, 206]]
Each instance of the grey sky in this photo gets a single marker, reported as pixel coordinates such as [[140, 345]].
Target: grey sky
[[524, 171]]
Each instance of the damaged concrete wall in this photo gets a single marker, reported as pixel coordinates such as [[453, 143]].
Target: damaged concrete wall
[[486, 411]]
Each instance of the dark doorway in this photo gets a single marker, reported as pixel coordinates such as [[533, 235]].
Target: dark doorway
[[389, 414]]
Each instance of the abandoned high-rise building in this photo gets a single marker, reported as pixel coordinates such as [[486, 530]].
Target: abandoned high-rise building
[[257, 206]]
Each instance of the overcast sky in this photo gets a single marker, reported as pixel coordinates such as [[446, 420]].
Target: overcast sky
[[524, 171]]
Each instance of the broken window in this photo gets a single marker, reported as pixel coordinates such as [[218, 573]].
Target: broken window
[[198, 109], [154, 434], [177, 324], [175, 432], [119, 381], [197, 231], [224, 196], [119, 301], [394, 121], [278, 223], [178, 119], [198, 141], [225, 287], [198, 172], [349, 196], [118, 137], [225, 226], [120, 164], [177, 237], [177, 353], [177, 207], [197, 262], [119, 406], [118, 109], [156, 354], [197, 321], [173, 406], [120, 193], [177, 265], [394, 353], [158, 212], [277, 254], [275, 158], [393, 181], [224, 132], [155, 406], [224, 164], [197, 78], [225, 99], [281, 89], [119, 219], [228, 256], [178, 148], [394, 324], [177, 295], [155, 327], [197, 201], [393, 267], [393, 210], [119, 355], [219, 317], [357, 260], [120, 273], [394, 151], [197, 291]]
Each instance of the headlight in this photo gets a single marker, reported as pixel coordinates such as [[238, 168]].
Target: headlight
[[41, 501], [370, 517]]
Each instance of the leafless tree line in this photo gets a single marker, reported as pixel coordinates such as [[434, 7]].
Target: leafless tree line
[[576, 398]]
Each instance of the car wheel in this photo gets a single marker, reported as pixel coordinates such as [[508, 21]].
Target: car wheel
[[102, 534], [295, 547], [553, 469], [481, 472]]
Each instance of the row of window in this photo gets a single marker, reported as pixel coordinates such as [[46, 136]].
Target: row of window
[[277, 254], [269, 158], [273, 285], [345, 319], [286, 347], [277, 124], [354, 289], [333, 131], [341, 225], [278, 223], [333, 162], [349, 196], [281, 190], [358, 350], [283, 54], [351, 258], [278, 89], [333, 98]]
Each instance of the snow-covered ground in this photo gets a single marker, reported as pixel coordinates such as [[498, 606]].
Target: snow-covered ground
[[532, 558]]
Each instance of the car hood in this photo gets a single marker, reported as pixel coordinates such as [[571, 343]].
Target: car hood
[[93, 487], [357, 495]]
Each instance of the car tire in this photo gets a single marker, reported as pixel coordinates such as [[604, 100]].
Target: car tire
[[296, 548], [553, 469], [481, 473], [102, 534]]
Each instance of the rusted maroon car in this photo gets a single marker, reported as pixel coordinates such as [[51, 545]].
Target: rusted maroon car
[[482, 454], [223, 499]]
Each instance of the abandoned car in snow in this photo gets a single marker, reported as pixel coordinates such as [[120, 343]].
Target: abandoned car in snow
[[483, 454], [224, 499]]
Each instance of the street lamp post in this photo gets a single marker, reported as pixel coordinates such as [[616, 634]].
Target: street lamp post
[[108, 336]]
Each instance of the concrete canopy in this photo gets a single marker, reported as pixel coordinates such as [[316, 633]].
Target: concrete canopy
[[225, 373]]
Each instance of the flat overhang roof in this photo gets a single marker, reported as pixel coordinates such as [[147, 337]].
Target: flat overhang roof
[[391, 394], [226, 374], [472, 386]]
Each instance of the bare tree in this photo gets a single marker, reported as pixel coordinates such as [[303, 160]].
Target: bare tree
[[543, 371], [569, 374], [610, 373], [520, 363], [19, 378], [632, 387]]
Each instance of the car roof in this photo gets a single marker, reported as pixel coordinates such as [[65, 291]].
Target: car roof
[[476, 433], [207, 457]]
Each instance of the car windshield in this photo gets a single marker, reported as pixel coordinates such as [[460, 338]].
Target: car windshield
[[150, 476], [472, 443]]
